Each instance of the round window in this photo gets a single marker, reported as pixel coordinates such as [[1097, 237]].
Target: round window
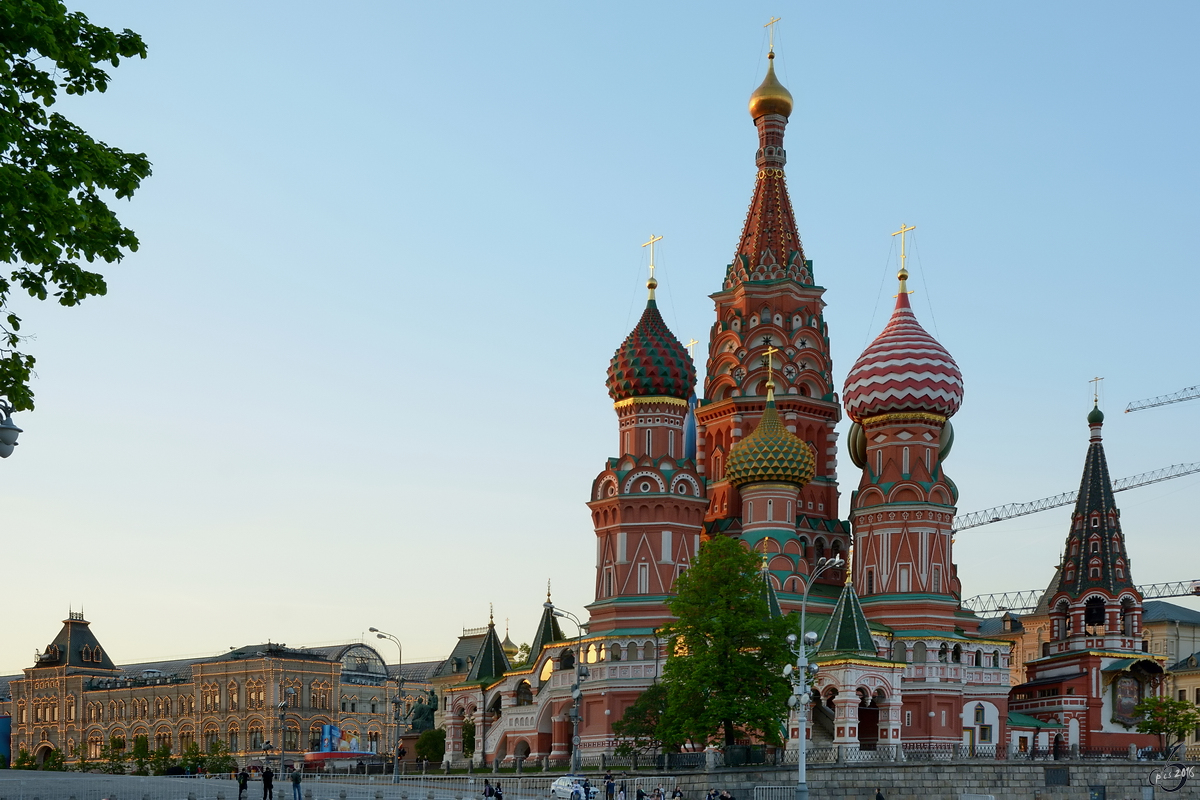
[[645, 486]]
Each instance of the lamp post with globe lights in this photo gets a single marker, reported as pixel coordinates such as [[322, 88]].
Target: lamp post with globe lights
[[581, 674], [8, 430], [802, 673], [398, 700]]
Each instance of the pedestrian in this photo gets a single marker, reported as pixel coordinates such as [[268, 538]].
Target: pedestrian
[[641, 793], [243, 778], [621, 791], [296, 784], [499, 791], [268, 784], [879, 794], [610, 786], [488, 791], [677, 794]]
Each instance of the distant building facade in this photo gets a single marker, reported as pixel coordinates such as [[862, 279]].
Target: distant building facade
[[74, 698]]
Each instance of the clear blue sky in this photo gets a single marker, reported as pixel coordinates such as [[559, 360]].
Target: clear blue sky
[[354, 376]]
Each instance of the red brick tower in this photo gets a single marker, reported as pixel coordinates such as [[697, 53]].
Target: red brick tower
[[769, 300], [648, 504]]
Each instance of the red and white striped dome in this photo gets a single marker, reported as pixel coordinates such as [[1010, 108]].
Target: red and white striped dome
[[904, 369]]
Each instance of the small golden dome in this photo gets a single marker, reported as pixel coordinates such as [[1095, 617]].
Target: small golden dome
[[771, 97]]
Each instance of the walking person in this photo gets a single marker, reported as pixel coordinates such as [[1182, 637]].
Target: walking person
[[879, 794], [268, 784], [488, 791], [296, 784], [243, 779], [499, 791]]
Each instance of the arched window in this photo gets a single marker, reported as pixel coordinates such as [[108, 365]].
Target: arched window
[[524, 694], [566, 660], [614, 652]]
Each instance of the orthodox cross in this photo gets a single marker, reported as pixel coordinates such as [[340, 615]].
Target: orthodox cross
[[903, 256], [650, 244], [770, 351], [1096, 390], [770, 26], [691, 348]]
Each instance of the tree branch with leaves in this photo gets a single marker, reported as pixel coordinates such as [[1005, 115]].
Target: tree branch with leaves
[[55, 179]]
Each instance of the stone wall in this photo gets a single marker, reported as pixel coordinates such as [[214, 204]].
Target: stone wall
[[946, 781]]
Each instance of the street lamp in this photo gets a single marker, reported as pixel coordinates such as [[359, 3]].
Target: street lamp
[[398, 701], [8, 430], [801, 675], [581, 674]]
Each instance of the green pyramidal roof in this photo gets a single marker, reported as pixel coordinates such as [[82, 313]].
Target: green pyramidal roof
[[772, 599], [548, 631], [490, 662], [847, 631]]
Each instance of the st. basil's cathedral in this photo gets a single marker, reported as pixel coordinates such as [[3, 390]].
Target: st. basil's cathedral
[[902, 665], [901, 662]]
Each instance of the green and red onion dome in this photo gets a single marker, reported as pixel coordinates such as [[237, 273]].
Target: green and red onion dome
[[651, 362]]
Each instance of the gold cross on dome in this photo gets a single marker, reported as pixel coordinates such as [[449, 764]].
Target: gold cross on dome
[[1096, 390], [903, 258], [770, 26], [770, 351], [691, 346], [650, 244]]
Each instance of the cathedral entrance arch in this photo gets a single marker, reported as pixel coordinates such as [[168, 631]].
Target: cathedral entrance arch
[[42, 752]]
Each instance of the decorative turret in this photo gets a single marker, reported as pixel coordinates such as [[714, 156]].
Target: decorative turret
[[548, 630], [900, 393]]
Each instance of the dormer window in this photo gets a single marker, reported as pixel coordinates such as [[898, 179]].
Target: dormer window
[[1095, 522]]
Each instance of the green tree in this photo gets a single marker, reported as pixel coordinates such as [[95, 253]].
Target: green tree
[[24, 760], [192, 758], [725, 652], [112, 754], [54, 177], [521, 659], [160, 760], [3, 761], [431, 745], [79, 753], [54, 761], [217, 760], [1169, 720], [468, 737], [140, 755], [638, 728]]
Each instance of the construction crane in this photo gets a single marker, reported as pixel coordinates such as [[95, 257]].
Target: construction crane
[[1190, 393], [993, 605], [1009, 510]]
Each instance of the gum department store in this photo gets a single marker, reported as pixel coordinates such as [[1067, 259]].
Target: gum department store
[[901, 662]]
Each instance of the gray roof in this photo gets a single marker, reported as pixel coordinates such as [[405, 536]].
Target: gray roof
[[1188, 663], [461, 657], [1161, 611], [417, 672], [5, 694]]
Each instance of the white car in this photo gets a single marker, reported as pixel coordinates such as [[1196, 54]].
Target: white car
[[570, 787]]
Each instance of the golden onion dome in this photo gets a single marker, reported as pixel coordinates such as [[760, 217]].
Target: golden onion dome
[[771, 453], [771, 97]]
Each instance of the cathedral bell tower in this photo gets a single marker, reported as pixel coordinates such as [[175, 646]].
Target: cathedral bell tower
[[769, 307], [1095, 603], [648, 504], [901, 394]]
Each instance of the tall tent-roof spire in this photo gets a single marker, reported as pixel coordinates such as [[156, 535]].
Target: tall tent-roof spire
[[769, 248], [1095, 555]]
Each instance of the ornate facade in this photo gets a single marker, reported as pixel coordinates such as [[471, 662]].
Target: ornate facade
[[74, 698], [755, 459]]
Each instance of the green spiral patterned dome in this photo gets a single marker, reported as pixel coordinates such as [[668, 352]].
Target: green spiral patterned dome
[[651, 361], [771, 453]]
